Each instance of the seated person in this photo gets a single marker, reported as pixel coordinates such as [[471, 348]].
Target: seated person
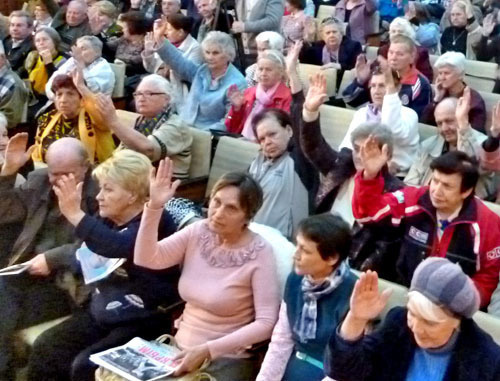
[[124, 187], [69, 118], [102, 21], [335, 50], [443, 219], [386, 108], [359, 17], [463, 35], [158, 133], [422, 341], [488, 47], [477, 12], [97, 72], [265, 41], [256, 17], [454, 134], [149, 8], [20, 42], [422, 61], [427, 32], [4, 140], [13, 93], [235, 303], [41, 64], [42, 16], [207, 103], [389, 10], [296, 25], [316, 298], [201, 27], [170, 7], [270, 92], [177, 32], [70, 22], [415, 91], [450, 83], [46, 238]]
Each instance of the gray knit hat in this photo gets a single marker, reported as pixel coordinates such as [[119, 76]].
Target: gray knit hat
[[445, 284]]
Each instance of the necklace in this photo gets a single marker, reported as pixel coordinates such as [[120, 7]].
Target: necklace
[[454, 42]]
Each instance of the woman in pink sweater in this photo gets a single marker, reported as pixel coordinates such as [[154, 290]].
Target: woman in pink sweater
[[228, 278]]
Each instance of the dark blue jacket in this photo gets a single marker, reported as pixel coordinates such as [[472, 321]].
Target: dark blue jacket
[[348, 52], [386, 354]]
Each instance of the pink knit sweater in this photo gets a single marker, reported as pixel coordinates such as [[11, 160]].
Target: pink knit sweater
[[231, 293]]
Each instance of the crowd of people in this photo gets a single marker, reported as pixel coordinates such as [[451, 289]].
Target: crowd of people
[[259, 285]]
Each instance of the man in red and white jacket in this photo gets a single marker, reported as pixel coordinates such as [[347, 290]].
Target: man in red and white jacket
[[443, 219]]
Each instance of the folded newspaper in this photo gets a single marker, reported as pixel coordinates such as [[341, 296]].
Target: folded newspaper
[[96, 267], [139, 360], [15, 269]]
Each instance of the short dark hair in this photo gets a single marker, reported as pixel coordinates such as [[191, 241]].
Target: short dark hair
[[331, 234], [136, 22], [179, 21], [63, 81], [300, 4], [251, 196], [282, 117], [460, 163]]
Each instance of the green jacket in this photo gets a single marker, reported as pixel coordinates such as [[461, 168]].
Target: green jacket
[[14, 103]]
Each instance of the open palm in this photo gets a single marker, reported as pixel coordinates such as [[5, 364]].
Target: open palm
[[316, 95], [161, 187], [366, 301], [16, 154]]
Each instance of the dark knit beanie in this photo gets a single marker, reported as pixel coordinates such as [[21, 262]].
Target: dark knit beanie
[[445, 284]]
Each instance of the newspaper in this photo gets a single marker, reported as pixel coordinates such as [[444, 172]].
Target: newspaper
[[96, 267], [139, 360], [15, 269]]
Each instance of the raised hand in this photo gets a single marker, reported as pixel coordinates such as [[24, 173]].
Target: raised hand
[[292, 58], [161, 187], [362, 69], [159, 30], [316, 95], [373, 158], [366, 301], [69, 196], [462, 111], [16, 154], [489, 24], [235, 96], [389, 79], [149, 44], [495, 121], [101, 109]]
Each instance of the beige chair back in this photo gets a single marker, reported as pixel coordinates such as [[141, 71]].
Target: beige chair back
[[347, 79], [334, 122], [119, 70], [306, 71], [200, 153], [325, 11], [426, 131]]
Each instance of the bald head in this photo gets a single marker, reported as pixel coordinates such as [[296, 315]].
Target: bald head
[[67, 156], [444, 114]]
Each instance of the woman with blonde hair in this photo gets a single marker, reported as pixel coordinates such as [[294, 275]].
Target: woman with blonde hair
[[122, 304]]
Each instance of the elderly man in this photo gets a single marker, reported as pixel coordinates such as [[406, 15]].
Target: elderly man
[[71, 22], [19, 43], [13, 93], [170, 7], [46, 242], [455, 133], [207, 23], [159, 132], [97, 72]]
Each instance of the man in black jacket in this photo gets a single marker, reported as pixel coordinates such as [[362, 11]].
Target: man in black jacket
[[19, 42]]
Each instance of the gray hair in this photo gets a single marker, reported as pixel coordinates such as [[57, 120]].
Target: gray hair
[[455, 59], [223, 41], [163, 85], [404, 24], [52, 33], [26, 15], [94, 42], [80, 3], [275, 56], [332, 21], [3, 120], [274, 40], [378, 131]]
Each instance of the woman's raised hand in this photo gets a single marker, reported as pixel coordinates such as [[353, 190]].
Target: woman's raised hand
[[292, 58], [159, 29], [16, 154], [235, 96], [316, 95], [362, 69], [149, 44], [161, 187], [489, 24], [69, 196], [373, 157]]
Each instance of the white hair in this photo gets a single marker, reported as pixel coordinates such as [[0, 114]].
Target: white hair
[[3, 120], [94, 42], [274, 40], [275, 56], [427, 309], [223, 41], [163, 85], [455, 59], [405, 25]]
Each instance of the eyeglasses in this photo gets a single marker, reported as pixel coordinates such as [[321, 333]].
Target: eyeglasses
[[146, 94]]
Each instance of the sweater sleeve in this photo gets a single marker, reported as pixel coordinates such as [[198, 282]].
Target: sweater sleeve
[[490, 155], [404, 129], [271, 19], [266, 303], [280, 349], [156, 255], [174, 58]]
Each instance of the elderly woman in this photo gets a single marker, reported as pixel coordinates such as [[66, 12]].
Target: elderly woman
[[97, 72], [70, 119], [270, 92], [102, 20], [265, 41], [450, 83], [433, 338], [235, 303], [464, 33], [62, 353], [207, 102], [42, 63], [359, 16], [158, 132], [297, 26], [177, 32], [316, 298]]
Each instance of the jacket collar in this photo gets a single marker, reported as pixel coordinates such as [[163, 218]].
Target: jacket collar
[[467, 213], [411, 78]]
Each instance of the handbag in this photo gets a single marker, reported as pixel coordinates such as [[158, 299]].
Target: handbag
[[103, 374]]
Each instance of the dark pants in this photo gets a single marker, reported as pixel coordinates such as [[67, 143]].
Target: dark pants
[[62, 353], [26, 301]]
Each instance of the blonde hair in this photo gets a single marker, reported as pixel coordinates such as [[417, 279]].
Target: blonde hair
[[427, 309], [106, 8], [129, 169]]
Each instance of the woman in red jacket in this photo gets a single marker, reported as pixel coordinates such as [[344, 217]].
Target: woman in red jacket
[[270, 92]]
